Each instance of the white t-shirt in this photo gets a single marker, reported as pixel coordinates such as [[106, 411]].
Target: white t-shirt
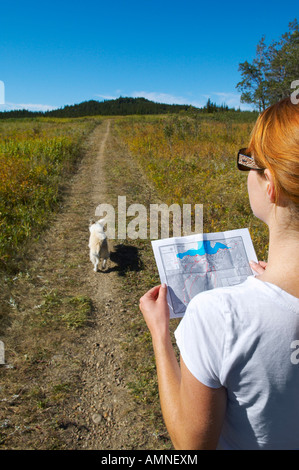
[[246, 338]]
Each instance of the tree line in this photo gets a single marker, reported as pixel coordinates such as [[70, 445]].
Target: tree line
[[121, 106]]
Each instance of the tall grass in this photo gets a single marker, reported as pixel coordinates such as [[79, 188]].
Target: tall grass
[[193, 161], [35, 156]]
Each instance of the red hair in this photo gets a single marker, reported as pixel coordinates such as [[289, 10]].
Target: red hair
[[274, 144]]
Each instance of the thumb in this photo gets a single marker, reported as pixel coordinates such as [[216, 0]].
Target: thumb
[[163, 291]]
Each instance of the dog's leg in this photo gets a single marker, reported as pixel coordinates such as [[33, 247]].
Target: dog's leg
[[96, 266], [104, 263]]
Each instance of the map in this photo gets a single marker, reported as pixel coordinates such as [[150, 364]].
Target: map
[[192, 264]]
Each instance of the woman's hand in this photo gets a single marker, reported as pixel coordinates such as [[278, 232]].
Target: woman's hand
[[155, 310], [258, 267]]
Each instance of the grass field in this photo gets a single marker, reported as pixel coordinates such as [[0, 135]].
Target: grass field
[[34, 155], [188, 160], [193, 161]]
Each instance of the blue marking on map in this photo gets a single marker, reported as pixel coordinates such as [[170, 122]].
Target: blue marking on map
[[204, 247]]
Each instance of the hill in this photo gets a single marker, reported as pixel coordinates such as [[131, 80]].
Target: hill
[[118, 107]]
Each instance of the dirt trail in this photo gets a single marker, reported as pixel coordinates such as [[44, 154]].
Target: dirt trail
[[108, 416], [101, 413]]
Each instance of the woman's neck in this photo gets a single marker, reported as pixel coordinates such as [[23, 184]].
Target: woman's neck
[[283, 260]]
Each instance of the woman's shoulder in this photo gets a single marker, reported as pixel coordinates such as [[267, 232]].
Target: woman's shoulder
[[251, 297], [232, 294]]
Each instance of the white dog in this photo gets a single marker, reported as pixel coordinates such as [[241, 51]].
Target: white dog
[[98, 244]]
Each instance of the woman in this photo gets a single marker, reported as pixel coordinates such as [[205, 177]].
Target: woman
[[238, 380]]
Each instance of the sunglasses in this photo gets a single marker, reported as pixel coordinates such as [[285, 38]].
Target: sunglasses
[[246, 162]]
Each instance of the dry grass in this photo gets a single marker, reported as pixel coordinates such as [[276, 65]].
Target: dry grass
[[35, 156], [193, 161]]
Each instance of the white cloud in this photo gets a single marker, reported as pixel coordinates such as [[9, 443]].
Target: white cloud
[[159, 97], [232, 100], [166, 98], [155, 96], [107, 97], [27, 106]]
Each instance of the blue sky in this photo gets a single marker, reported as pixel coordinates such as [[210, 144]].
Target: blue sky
[[55, 53]]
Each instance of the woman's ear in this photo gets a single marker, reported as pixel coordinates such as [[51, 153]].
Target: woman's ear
[[270, 185]]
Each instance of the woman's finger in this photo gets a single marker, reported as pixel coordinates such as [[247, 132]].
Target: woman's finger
[[263, 264], [152, 294], [257, 267]]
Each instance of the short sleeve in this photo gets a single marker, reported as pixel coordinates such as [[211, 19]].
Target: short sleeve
[[200, 337]]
